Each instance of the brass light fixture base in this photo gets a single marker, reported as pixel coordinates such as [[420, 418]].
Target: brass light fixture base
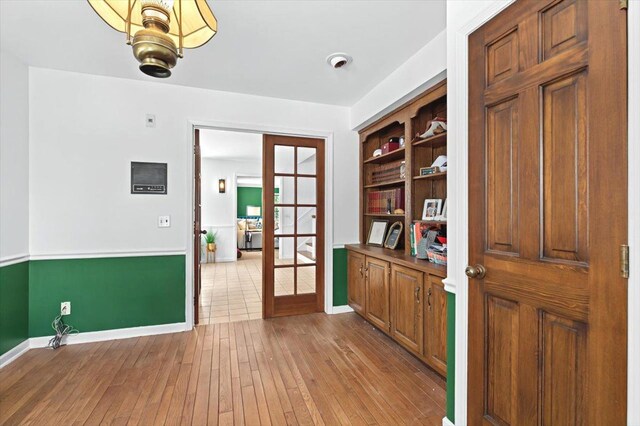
[[156, 53]]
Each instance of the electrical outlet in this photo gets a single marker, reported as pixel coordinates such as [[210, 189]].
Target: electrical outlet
[[65, 308], [164, 221]]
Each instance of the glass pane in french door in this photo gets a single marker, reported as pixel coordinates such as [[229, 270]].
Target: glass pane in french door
[[284, 159], [306, 279], [284, 280], [284, 251], [306, 161], [306, 190], [284, 220]]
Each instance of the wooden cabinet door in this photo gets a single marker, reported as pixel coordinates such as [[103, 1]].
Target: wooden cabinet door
[[356, 285], [377, 274], [436, 325], [547, 215], [407, 289]]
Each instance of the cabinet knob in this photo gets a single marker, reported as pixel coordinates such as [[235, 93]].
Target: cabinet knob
[[417, 293]]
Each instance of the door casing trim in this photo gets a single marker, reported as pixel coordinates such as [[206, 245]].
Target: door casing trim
[[328, 137]]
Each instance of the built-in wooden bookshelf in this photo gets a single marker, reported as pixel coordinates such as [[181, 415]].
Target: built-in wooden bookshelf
[[408, 121], [396, 292]]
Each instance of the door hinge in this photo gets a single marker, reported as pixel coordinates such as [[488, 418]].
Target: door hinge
[[624, 261], [624, 4]]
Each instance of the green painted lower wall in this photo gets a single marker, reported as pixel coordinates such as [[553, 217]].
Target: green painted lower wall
[[14, 305], [107, 293], [248, 196], [339, 276], [451, 356]]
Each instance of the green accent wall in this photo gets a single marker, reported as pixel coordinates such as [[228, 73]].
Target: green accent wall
[[339, 276], [248, 196], [451, 356], [107, 293], [14, 305]]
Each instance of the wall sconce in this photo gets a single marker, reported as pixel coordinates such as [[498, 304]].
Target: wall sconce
[[222, 186]]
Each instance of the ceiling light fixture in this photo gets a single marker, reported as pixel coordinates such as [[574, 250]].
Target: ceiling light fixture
[[159, 30], [339, 60]]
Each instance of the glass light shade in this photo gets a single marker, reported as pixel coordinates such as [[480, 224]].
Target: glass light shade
[[198, 22], [222, 186], [253, 211]]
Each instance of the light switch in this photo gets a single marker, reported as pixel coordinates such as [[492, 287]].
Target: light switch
[[164, 221]]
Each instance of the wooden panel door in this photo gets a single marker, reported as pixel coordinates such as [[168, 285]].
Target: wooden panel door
[[436, 325], [293, 225], [407, 290], [356, 285], [377, 276], [547, 216]]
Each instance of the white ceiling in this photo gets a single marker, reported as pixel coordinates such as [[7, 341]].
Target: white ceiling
[[225, 145], [269, 48]]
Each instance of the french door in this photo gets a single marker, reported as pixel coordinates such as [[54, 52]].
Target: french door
[[293, 229], [548, 215]]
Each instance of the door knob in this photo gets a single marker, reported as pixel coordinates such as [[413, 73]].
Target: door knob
[[203, 231], [477, 271]]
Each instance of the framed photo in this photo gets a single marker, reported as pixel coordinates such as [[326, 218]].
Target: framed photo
[[377, 232], [443, 213], [431, 209], [393, 236]]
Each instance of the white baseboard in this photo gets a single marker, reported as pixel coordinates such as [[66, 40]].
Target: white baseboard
[[120, 333], [341, 309], [92, 336], [14, 353], [447, 422]]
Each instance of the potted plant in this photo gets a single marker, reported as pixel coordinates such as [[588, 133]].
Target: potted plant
[[210, 238]]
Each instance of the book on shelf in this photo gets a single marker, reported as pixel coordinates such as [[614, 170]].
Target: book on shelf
[[377, 201]]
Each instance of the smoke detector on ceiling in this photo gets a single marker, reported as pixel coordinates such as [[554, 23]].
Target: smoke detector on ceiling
[[339, 60]]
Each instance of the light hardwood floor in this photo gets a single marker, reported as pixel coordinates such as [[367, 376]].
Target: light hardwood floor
[[313, 369]]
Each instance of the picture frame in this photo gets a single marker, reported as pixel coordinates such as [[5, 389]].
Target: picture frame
[[393, 235], [377, 232], [432, 208], [443, 213]]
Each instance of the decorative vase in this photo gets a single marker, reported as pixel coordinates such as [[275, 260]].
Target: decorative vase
[[211, 247]]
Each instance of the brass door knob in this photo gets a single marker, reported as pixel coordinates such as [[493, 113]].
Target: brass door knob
[[477, 271]]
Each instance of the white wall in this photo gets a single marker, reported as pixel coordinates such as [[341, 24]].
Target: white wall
[[219, 210], [424, 69], [86, 129], [14, 157]]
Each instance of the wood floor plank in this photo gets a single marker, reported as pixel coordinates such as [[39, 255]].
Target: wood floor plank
[[305, 370], [201, 398]]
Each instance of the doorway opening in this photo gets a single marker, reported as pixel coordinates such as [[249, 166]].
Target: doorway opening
[[231, 217], [259, 232]]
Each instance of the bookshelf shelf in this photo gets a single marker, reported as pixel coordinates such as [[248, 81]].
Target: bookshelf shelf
[[437, 140], [431, 222], [390, 156], [388, 183], [440, 175], [384, 215]]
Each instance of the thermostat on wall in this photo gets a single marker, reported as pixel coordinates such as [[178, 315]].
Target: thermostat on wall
[[148, 178]]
